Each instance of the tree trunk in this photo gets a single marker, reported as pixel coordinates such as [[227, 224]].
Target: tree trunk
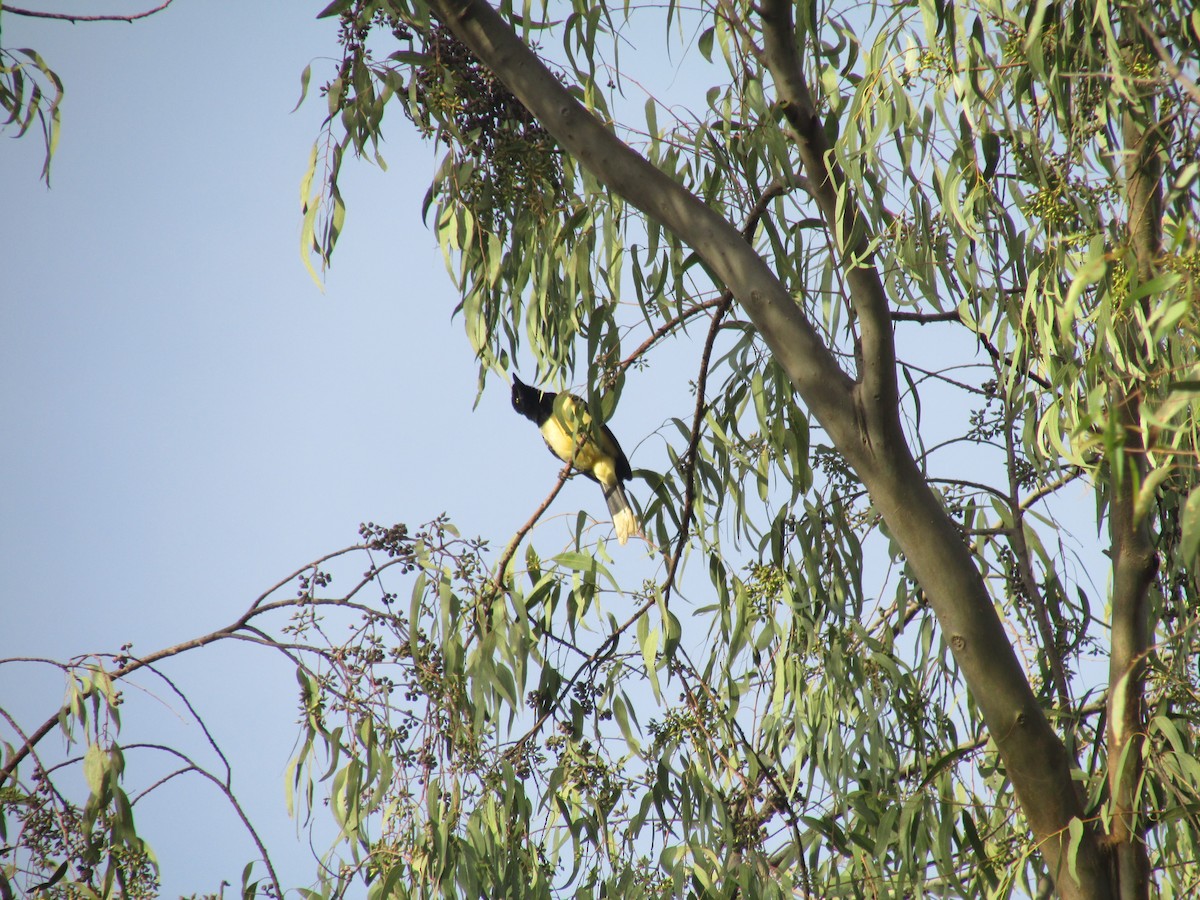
[[1134, 560]]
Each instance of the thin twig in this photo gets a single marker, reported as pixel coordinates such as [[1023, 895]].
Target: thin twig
[[953, 316], [259, 606], [925, 318], [498, 581], [212, 742], [75, 17], [773, 190], [229, 795], [1048, 631], [665, 329]]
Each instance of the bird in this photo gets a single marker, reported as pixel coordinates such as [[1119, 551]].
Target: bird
[[568, 430]]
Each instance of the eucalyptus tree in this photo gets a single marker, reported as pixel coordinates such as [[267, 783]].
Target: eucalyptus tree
[[1014, 183]]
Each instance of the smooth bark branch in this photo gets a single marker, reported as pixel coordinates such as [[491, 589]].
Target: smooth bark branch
[[814, 371], [1134, 560], [839, 206], [1134, 567]]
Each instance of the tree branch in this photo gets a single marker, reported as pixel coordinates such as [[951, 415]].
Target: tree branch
[[953, 316], [258, 607], [75, 17], [1047, 633], [832, 193], [1135, 562], [667, 327], [926, 318], [511, 549], [224, 788]]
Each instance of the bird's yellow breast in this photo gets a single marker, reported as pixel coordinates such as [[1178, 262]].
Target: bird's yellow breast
[[561, 432]]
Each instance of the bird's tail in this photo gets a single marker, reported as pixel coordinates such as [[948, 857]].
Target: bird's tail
[[625, 521]]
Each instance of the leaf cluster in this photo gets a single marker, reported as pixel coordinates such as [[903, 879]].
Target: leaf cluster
[[31, 91]]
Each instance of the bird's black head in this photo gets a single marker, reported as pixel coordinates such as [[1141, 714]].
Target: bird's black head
[[533, 404]]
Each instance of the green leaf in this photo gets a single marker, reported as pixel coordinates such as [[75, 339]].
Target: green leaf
[[991, 154], [648, 641], [1088, 274], [1190, 543], [674, 631], [249, 888], [309, 204], [1075, 828], [336, 8], [1148, 491], [621, 713], [304, 77], [585, 563], [52, 880], [95, 768], [916, 397]]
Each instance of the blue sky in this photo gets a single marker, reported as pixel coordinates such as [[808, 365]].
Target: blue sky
[[187, 417]]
